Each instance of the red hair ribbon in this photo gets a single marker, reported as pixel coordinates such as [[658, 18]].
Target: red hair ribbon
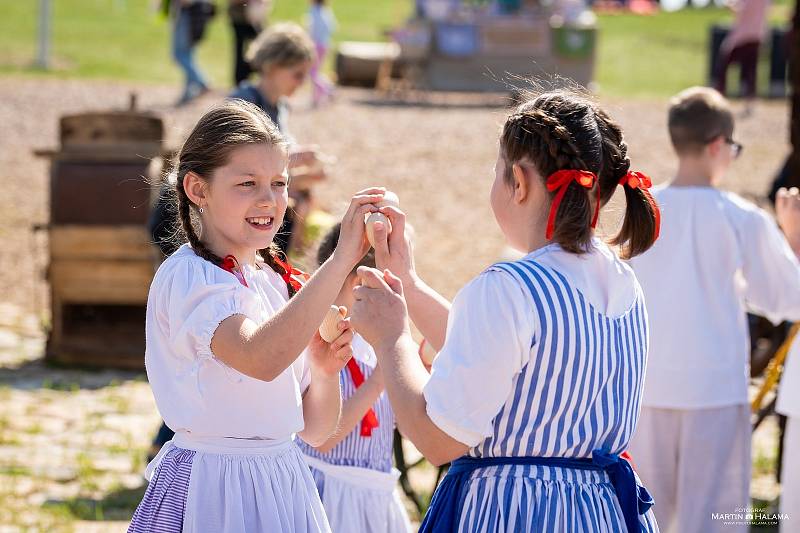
[[370, 420], [638, 180], [230, 264], [559, 181], [292, 276]]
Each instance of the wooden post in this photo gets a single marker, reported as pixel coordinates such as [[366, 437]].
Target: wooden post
[[43, 56]]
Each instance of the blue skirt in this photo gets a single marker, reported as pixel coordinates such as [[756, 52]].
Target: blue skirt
[[540, 494]]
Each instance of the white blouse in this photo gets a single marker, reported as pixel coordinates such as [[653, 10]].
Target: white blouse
[[195, 392]]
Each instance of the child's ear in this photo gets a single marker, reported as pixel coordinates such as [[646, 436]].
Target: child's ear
[[196, 189], [713, 148], [521, 187]]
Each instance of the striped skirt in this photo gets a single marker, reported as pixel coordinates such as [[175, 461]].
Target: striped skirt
[[541, 499], [229, 486]]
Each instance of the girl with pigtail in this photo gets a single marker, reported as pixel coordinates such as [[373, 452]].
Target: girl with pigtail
[[233, 352], [534, 394]]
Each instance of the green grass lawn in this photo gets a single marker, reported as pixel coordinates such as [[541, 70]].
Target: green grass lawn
[[126, 39]]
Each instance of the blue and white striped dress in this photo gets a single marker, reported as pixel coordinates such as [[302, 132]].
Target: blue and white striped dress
[[531, 368], [355, 479], [374, 452]]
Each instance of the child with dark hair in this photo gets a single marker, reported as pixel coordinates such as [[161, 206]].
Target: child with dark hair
[[719, 257], [535, 391], [233, 352], [353, 468]]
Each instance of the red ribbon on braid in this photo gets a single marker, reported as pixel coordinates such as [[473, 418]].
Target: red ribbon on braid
[[370, 420], [292, 276], [559, 181], [638, 180]]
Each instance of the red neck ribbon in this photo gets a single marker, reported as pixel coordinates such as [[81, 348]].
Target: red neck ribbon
[[370, 420], [560, 181], [292, 276], [638, 180], [230, 264]]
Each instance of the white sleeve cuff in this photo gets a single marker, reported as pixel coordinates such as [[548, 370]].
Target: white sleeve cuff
[[462, 435]]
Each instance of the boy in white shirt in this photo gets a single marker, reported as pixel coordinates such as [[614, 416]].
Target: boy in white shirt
[[718, 257]]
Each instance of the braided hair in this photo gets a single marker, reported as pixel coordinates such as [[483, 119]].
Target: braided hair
[[227, 126], [556, 132], [560, 130]]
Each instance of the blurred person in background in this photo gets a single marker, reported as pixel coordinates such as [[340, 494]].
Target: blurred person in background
[[321, 25], [247, 20], [189, 19], [741, 46]]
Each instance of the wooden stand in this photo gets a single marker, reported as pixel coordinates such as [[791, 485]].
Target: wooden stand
[[99, 279]]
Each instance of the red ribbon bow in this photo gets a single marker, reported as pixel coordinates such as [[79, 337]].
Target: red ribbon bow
[[292, 276], [638, 180], [560, 181], [370, 420]]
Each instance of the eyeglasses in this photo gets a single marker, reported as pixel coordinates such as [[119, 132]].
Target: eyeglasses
[[736, 147]]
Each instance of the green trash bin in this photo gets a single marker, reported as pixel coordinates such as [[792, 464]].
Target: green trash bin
[[574, 42]]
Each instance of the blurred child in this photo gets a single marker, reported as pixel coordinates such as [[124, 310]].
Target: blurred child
[[718, 256], [282, 56], [189, 19], [535, 390], [353, 468], [233, 354], [321, 25]]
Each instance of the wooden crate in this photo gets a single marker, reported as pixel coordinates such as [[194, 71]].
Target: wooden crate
[[99, 278]]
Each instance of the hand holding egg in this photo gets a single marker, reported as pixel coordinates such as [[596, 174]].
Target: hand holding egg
[[329, 329], [389, 199]]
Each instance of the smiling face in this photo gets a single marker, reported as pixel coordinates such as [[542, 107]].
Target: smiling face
[[244, 202]]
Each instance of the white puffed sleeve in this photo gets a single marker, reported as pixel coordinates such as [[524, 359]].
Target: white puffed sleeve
[[200, 296], [770, 267], [490, 331]]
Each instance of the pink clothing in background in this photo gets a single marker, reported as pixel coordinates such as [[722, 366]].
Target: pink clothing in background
[[751, 17]]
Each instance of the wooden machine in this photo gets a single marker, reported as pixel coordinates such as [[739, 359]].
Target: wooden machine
[[101, 261]]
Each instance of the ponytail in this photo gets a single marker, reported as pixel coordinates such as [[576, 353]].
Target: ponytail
[[641, 224]]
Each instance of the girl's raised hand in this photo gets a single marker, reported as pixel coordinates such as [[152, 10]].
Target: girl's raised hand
[[353, 244], [395, 253], [331, 358]]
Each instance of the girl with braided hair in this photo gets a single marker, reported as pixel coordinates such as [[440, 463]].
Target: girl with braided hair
[[534, 394], [233, 352]]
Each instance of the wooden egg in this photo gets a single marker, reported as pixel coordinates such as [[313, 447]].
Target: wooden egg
[[389, 199], [371, 220], [329, 329]]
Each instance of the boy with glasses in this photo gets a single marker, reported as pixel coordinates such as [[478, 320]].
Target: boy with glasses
[[718, 257]]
